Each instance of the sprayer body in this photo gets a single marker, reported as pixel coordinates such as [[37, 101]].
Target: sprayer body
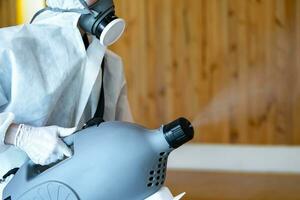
[[113, 161]]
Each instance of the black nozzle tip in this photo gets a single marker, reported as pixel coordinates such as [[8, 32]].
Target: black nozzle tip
[[178, 132]]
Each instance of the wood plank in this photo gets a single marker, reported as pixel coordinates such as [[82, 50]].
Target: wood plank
[[236, 61], [234, 186], [240, 55], [296, 97], [7, 13]]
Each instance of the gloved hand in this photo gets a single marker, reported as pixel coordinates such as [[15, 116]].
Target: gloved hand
[[43, 145]]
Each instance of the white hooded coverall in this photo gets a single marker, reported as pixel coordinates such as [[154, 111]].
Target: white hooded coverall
[[47, 77]]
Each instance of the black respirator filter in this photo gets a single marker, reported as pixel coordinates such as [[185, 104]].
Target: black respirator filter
[[102, 22]]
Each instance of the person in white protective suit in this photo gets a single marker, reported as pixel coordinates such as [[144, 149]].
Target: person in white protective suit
[[50, 82], [52, 76]]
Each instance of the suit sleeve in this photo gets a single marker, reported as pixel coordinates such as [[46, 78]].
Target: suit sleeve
[[3, 99], [6, 119], [123, 111]]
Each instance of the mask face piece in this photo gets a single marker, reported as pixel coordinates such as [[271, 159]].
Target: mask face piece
[[102, 22]]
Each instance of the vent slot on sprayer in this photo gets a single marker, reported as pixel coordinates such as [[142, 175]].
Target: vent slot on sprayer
[[157, 175]]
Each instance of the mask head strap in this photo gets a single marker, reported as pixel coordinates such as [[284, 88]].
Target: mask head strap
[[86, 7]]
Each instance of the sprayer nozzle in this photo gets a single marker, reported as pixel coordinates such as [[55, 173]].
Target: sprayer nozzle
[[178, 132]]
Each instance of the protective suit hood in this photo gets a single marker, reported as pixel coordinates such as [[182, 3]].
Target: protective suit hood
[[98, 19], [65, 4]]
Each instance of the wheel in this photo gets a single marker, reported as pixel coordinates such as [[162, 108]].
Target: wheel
[[50, 191]]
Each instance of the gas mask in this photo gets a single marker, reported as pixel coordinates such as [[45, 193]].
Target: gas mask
[[98, 19], [102, 22]]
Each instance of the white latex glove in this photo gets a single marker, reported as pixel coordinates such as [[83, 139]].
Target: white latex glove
[[43, 145]]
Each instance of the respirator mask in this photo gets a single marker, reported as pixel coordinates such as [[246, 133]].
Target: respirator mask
[[98, 19], [102, 22]]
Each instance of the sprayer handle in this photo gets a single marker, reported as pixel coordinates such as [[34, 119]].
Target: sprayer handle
[[33, 170], [93, 122]]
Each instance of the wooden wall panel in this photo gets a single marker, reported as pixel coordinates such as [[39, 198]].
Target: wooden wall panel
[[296, 97], [8, 13], [182, 54]]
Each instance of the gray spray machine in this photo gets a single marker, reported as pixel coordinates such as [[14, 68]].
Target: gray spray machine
[[111, 161]]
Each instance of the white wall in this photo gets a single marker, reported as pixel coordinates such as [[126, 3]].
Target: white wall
[[236, 158]]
